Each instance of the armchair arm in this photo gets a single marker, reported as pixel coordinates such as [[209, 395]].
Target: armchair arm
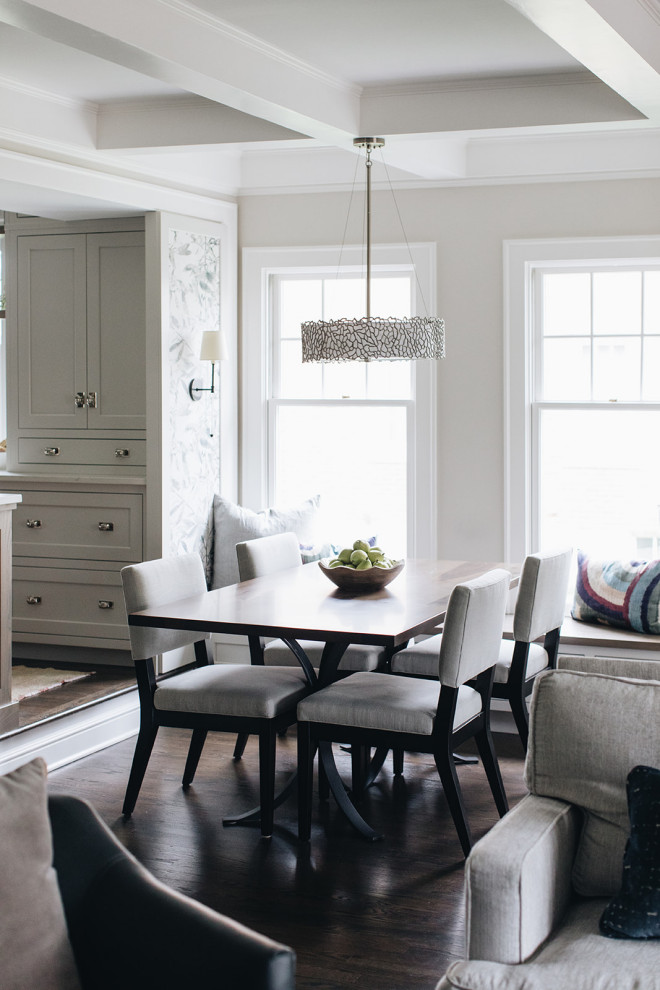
[[518, 879], [129, 930]]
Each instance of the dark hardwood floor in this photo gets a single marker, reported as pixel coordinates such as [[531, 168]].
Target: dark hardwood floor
[[380, 916]]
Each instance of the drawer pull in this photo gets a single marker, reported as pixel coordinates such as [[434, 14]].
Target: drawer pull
[[79, 400], [104, 603], [33, 523], [90, 400], [33, 599], [122, 452], [106, 527], [51, 451]]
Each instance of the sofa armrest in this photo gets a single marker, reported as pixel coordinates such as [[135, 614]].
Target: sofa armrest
[[129, 930], [518, 879]]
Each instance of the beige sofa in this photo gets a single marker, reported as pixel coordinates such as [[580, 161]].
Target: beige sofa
[[537, 884]]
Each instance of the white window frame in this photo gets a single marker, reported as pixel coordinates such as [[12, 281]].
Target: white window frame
[[258, 265], [521, 260]]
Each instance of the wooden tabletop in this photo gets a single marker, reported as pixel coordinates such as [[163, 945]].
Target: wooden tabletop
[[301, 603]]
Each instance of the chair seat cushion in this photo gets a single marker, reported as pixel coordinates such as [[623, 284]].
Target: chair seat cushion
[[537, 660], [383, 701], [34, 944], [575, 956], [421, 659], [233, 689], [356, 657]]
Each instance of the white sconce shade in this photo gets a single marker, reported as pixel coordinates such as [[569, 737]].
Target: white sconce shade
[[214, 346]]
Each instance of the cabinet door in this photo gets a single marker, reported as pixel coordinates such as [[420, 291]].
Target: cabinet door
[[52, 357], [116, 331]]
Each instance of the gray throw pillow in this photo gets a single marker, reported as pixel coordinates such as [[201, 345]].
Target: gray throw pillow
[[234, 524], [34, 942]]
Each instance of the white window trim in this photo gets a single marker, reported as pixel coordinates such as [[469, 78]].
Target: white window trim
[[258, 264], [520, 260]]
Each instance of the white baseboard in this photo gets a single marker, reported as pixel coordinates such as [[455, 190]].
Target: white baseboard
[[66, 738]]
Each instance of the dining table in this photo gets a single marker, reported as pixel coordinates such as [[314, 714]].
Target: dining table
[[300, 603]]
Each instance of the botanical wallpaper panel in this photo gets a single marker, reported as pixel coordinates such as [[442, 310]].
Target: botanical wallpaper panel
[[194, 279]]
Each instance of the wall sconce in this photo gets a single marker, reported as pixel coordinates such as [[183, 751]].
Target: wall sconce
[[214, 348]]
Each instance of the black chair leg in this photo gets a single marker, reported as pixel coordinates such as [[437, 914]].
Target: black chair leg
[[143, 747], [267, 747], [397, 761], [520, 716], [449, 779], [305, 781], [194, 753], [241, 743], [484, 741]]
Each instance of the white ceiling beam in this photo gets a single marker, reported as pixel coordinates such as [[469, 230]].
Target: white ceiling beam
[[181, 122], [183, 46], [575, 98], [618, 42]]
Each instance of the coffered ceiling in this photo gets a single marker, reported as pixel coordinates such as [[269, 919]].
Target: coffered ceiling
[[108, 108]]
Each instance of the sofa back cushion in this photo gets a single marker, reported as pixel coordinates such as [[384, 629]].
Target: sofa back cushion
[[34, 943], [587, 732]]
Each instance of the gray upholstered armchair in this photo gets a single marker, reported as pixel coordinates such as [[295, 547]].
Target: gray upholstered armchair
[[537, 884]]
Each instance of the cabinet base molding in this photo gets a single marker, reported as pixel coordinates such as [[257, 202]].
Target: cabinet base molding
[[90, 656]]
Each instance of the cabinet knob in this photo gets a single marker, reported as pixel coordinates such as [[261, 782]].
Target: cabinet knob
[[106, 527], [33, 599], [122, 452], [51, 451], [79, 400], [104, 603], [33, 523], [90, 400]]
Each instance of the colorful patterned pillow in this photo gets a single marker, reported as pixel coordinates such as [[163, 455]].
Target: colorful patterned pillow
[[618, 593]]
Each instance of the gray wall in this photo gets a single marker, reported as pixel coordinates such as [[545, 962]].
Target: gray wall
[[469, 225]]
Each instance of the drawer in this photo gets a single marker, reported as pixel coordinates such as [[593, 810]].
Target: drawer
[[112, 452], [57, 601], [79, 525]]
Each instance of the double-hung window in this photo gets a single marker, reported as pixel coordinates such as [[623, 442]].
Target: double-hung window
[[359, 434], [584, 396]]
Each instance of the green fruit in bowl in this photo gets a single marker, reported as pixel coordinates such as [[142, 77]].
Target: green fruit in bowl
[[345, 555], [382, 564], [359, 556], [364, 565], [375, 555], [336, 563], [361, 545]]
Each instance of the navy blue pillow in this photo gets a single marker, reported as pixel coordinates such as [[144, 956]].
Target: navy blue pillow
[[635, 911]]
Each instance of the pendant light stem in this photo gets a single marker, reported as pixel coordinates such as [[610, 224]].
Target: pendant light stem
[[368, 165]]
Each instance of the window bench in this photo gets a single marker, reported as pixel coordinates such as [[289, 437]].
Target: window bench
[[604, 649]]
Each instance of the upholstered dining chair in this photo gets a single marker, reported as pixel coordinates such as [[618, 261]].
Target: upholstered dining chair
[[538, 615], [206, 697], [416, 714]]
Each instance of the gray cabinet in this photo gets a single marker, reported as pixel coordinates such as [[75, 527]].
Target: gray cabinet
[[78, 367], [68, 549]]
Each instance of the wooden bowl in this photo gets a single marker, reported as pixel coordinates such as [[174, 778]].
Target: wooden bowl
[[348, 579]]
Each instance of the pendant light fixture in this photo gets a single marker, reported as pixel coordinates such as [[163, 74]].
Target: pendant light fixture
[[372, 338]]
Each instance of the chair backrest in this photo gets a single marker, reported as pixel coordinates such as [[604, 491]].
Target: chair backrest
[[472, 631], [267, 554], [541, 603], [159, 582], [587, 731]]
